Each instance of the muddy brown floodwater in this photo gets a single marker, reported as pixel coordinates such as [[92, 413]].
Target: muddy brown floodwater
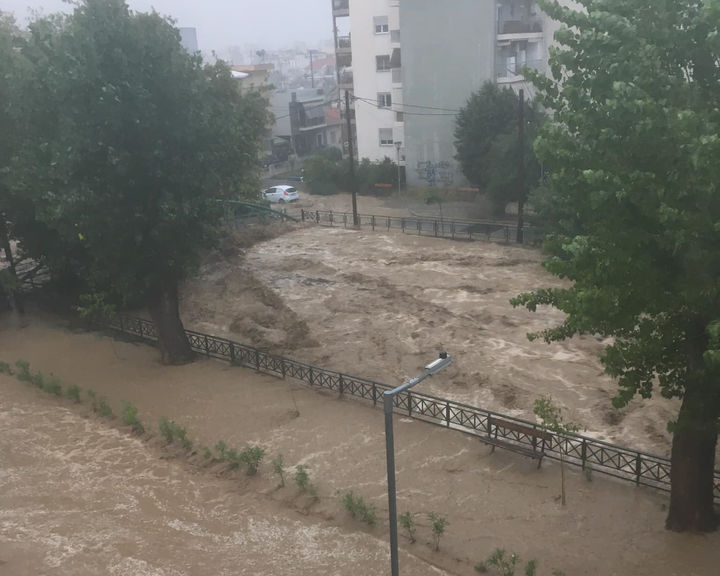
[[80, 496], [382, 305]]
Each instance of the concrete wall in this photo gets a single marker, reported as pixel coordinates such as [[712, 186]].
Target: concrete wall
[[448, 51]]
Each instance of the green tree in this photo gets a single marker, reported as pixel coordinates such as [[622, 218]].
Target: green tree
[[633, 194], [132, 140], [487, 143]]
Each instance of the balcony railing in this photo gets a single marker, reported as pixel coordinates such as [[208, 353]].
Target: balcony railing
[[341, 7], [529, 26], [344, 45], [346, 79]]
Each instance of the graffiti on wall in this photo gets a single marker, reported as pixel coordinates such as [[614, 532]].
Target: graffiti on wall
[[436, 173]]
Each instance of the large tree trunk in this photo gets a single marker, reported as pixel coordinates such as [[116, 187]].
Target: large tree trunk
[[164, 309], [693, 449], [14, 297]]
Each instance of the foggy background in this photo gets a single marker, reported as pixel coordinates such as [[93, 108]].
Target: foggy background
[[222, 24]]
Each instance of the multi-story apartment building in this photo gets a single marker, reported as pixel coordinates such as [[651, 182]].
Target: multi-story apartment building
[[411, 64]]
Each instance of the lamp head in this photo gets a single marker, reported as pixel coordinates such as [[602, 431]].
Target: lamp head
[[440, 364]]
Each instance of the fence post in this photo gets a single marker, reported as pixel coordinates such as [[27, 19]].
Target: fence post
[[317, 216], [447, 414], [409, 403], [232, 352], [312, 379], [435, 227], [345, 220], [207, 346], [402, 224], [388, 222], [331, 217], [341, 386], [257, 359], [452, 230], [302, 214], [374, 394], [282, 367], [507, 233], [584, 453], [372, 222], [638, 469], [489, 425]]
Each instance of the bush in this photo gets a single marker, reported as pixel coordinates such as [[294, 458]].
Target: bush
[[438, 524], [278, 464], [407, 522], [222, 449], [302, 478], [52, 385], [23, 374], [251, 457], [73, 392], [358, 508], [171, 431], [129, 417], [5, 369]]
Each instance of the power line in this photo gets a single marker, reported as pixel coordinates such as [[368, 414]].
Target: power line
[[391, 109]]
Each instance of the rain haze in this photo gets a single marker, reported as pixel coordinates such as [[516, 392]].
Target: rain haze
[[222, 24]]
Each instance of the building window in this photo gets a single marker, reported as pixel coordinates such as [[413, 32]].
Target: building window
[[399, 117], [382, 62], [381, 24], [384, 100], [386, 136]]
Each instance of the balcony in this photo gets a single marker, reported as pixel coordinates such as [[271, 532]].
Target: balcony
[[344, 45], [341, 8], [516, 30], [346, 80]]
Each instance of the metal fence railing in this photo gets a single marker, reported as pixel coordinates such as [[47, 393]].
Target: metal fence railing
[[455, 229], [641, 468]]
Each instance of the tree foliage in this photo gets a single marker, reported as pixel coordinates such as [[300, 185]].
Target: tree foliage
[[130, 143], [487, 143], [634, 202]]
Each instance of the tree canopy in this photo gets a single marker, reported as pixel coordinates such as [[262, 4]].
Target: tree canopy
[[487, 144], [632, 198], [131, 142]]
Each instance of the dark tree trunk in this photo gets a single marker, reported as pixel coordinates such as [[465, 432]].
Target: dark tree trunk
[[693, 449], [14, 297], [164, 309]]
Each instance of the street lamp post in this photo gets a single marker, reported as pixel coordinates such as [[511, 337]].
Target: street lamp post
[[398, 144], [388, 396]]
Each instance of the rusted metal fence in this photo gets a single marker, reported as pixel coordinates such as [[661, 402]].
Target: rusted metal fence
[[454, 229], [641, 468]]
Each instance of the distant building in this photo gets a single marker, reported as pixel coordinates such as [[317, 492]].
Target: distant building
[[188, 38], [405, 101], [253, 76]]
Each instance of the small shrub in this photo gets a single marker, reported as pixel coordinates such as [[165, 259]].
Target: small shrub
[[278, 470], [171, 431], [358, 508], [37, 380], [6, 369], [129, 417], [251, 457], [207, 454], [407, 522], [438, 524], [221, 449], [73, 392], [52, 385], [23, 374], [232, 457], [103, 408], [530, 568], [302, 479], [505, 564]]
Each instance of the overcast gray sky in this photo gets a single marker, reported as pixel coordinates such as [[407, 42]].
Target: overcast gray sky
[[224, 23]]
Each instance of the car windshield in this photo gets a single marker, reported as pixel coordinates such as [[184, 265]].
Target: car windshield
[[291, 190]]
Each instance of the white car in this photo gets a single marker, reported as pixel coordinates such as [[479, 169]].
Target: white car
[[280, 194]]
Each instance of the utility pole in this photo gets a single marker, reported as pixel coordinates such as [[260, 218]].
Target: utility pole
[[312, 72], [351, 157], [521, 167]]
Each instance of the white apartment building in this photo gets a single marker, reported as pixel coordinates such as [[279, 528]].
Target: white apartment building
[[405, 100]]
